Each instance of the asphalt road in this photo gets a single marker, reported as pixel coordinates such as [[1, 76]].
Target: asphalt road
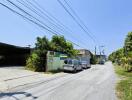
[[96, 83]]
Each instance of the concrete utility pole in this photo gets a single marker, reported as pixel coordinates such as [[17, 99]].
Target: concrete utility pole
[[95, 50], [101, 51]]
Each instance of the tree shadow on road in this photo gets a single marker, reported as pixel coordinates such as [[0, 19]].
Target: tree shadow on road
[[12, 94]]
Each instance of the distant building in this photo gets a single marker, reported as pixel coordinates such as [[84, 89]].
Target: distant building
[[84, 52], [101, 57], [84, 55]]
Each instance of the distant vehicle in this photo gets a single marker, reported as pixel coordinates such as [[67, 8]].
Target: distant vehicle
[[85, 64], [102, 62], [72, 65]]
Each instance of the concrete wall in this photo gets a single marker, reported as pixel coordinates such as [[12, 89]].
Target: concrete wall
[[54, 61]]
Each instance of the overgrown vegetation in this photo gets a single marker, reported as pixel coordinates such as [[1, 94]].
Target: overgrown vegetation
[[37, 60], [123, 56], [124, 87]]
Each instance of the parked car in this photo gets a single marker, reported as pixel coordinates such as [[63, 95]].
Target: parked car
[[85, 64], [102, 62], [72, 65]]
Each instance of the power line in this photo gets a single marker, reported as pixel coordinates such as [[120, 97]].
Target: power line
[[51, 17], [35, 11], [75, 19], [53, 31], [78, 18], [87, 31], [38, 24], [26, 18], [47, 14], [31, 16]]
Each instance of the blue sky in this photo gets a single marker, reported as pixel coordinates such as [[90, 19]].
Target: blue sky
[[108, 20]]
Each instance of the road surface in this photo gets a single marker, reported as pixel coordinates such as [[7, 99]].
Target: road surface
[[97, 83]]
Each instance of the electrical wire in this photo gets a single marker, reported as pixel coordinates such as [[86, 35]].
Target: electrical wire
[[74, 18], [52, 18], [38, 24], [73, 11]]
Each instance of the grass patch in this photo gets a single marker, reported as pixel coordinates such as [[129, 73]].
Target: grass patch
[[121, 72], [124, 87]]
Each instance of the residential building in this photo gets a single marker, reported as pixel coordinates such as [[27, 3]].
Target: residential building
[[84, 55]]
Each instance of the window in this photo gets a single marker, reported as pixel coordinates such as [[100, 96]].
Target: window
[[70, 62], [76, 62], [65, 61]]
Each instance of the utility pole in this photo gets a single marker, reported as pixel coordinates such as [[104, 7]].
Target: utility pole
[[95, 50], [100, 50], [103, 51]]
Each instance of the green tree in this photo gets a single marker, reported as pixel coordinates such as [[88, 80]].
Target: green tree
[[58, 43], [70, 51], [128, 43], [117, 56], [128, 52], [37, 60], [123, 56]]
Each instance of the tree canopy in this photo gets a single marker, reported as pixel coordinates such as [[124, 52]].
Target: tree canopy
[[59, 44], [128, 42]]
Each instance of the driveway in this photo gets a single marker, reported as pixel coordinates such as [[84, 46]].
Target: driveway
[[97, 83]]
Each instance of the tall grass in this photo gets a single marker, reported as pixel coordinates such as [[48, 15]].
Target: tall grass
[[124, 87]]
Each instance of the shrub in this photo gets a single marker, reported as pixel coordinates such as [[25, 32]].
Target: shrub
[[34, 62], [126, 63]]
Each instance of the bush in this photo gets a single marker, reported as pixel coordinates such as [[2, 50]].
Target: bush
[[123, 59], [128, 68], [126, 63], [34, 62]]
